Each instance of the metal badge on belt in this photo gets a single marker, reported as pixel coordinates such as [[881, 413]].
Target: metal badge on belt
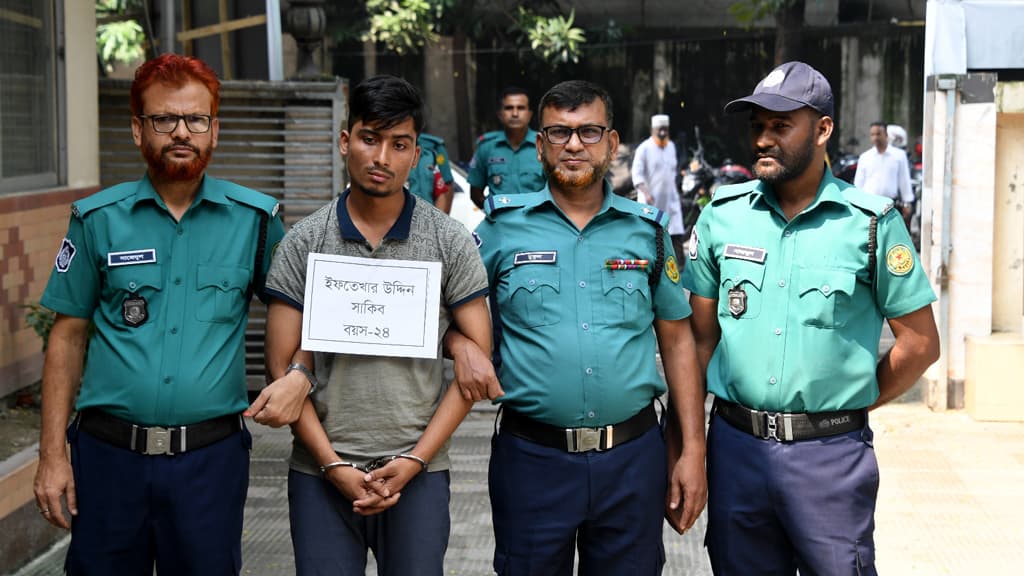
[[737, 302], [134, 310]]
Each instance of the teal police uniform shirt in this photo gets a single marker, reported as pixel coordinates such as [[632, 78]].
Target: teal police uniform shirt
[[497, 166], [800, 320], [179, 357], [432, 153], [577, 348]]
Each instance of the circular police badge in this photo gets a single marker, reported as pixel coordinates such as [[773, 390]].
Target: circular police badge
[[671, 270], [899, 260], [439, 159], [773, 79], [496, 180], [134, 310]]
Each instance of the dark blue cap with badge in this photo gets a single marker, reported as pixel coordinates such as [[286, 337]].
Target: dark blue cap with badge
[[791, 86]]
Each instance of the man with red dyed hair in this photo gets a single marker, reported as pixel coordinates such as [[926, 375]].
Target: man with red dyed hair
[[164, 268]]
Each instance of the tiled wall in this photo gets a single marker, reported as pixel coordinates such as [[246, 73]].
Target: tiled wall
[[31, 227]]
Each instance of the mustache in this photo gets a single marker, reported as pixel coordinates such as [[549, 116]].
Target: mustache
[[381, 170], [173, 145], [772, 152]]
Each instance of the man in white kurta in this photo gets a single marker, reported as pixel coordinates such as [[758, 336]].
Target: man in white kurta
[[883, 170], [654, 171]]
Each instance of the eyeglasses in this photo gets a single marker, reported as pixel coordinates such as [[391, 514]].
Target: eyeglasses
[[588, 133], [167, 123]]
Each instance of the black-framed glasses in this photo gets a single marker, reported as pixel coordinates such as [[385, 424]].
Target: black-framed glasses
[[588, 133], [167, 123]]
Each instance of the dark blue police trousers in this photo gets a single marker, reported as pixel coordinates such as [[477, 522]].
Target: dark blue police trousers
[[183, 512], [775, 507], [546, 502], [330, 539]]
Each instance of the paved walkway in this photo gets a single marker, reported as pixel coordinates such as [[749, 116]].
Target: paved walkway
[[951, 498]]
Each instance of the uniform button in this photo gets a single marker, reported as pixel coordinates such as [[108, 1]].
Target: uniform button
[[181, 231], [590, 371], [532, 282], [167, 379], [131, 285], [825, 288], [787, 233], [586, 326], [174, 330], [224, 283], [778, 331], [583, 284], [579, 238], [782, 283], [177, 281], [772, 380], [629, 284], [591, 414]]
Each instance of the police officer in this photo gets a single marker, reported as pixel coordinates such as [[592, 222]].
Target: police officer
[[506, 161], [164, 268], [431, 178], [579, 277], [791, 276]]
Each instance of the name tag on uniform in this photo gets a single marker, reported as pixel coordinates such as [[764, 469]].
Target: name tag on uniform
[[147, 256], [496, 160], [747, 253], [547, 257]]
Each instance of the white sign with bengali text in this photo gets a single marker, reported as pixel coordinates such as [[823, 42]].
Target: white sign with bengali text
[[371, 307]]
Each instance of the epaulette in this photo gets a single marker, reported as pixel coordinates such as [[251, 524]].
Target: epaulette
[[501, 202], [730, 191], [489, 136], [103, 198], [430, 139], [644, 211], [247, 196], [872, 204]]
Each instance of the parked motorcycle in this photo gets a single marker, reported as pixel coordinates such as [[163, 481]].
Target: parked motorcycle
[[701, 180]]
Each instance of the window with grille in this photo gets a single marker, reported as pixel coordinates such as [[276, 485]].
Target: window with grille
[[30, 146]]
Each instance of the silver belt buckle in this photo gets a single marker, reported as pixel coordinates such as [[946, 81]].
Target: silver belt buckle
[[772, 420], [158, 441], [583, 439]]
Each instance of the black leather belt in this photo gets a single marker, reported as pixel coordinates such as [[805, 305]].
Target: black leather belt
[[579, 439], [790, 427], [152, 440]]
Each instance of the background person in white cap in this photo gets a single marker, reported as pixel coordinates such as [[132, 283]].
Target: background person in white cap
[[791, 276], [883, 170], [655, 168]]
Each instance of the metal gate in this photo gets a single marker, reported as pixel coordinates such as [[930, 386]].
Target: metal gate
[[276, 137]]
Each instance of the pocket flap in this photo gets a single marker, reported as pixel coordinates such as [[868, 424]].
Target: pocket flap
[[827, 281], [736, 272], [132, 278], [223, 277], [533, 276], [628, 280]]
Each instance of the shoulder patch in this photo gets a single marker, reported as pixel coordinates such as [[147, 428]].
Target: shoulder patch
[[65, 255], [645, 211], [430, 139], [899, 260], [103, 198], [671, 269], [249, 197]]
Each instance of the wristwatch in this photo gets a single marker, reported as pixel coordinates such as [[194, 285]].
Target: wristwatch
[[313, 383]]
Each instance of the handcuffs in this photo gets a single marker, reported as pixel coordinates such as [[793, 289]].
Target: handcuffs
[[373, 464]]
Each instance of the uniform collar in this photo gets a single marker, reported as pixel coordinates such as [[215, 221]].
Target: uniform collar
[[829, 191], [399, 230], [208, 191], [610, 201], [529, 140]]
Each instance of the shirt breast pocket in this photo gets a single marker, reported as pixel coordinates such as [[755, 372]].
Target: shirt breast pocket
[[221, 293], [747, 277], [825, 295], [534, 294], [627, 298], [144, 280]]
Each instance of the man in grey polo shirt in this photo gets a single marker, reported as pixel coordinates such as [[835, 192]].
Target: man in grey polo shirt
[[376, 427]]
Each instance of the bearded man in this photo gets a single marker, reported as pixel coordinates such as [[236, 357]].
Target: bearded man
[[164, 267], [579, 276]]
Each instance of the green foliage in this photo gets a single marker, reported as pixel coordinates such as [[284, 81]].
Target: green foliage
[[404, 25], [119, 37], [749, 11], [40, 319], [553, 39]]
